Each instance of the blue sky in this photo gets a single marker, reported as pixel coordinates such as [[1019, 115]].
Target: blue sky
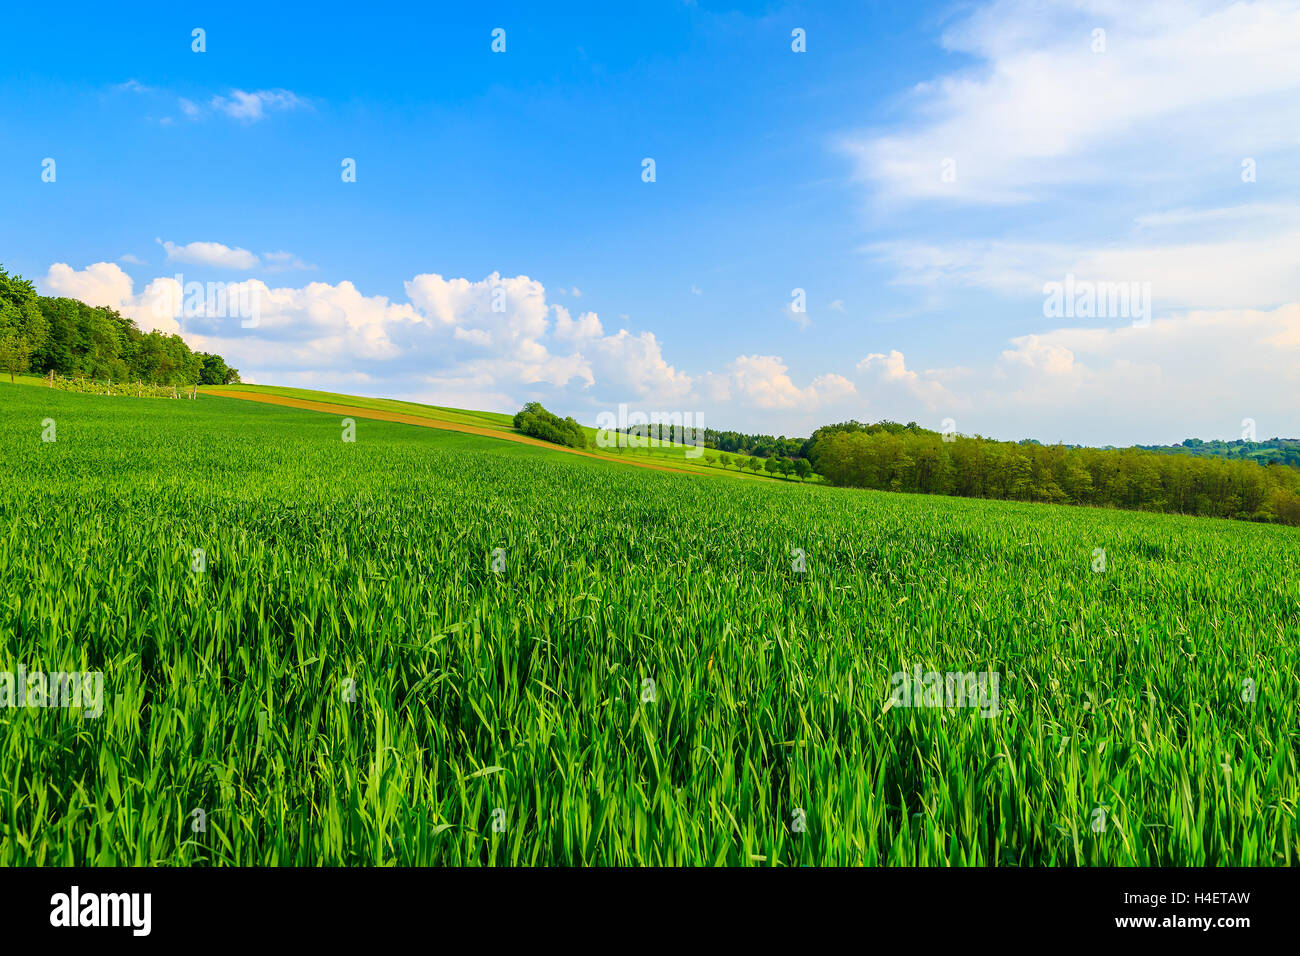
[[922, 172]]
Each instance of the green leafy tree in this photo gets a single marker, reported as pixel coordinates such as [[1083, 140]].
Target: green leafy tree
[[23, 328], [14, 353], [536, 421], [215, 371], [76, 340]]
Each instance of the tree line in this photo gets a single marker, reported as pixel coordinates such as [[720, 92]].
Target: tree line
[[906, 458], [41, 334], [1283, 451], [773, 464], [760, 446], [766, 446]]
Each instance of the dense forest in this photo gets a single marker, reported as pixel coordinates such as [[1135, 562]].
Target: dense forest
[[41, 334], [906, 458]]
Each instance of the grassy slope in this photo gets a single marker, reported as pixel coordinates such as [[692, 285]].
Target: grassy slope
[[329, 563], [463, 416], [668, 454]]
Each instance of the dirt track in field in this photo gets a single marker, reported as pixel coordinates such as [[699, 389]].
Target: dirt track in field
[[351, 411]]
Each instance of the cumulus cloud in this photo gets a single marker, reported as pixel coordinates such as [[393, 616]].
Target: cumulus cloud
[[101, 284], [891, 370], [489, 343], [763, 381], [105, 284], [586, 326]]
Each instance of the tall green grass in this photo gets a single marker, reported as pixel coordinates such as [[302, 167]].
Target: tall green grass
[[518, 698]]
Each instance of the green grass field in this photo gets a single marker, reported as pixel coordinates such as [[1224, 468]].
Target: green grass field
[[664, 453], [650, 680]]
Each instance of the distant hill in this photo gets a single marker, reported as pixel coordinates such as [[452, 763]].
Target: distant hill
[[1281, 451]]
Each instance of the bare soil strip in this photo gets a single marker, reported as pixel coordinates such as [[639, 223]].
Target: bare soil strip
[[380, 415]]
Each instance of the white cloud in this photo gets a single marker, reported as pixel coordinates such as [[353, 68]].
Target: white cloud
[[634, 365], [830, 388], [1260, 270], [105, 284], [586, 326], [210, 254], [220, 256], [1041, 109], [891, 371], [251, 107], [1040, 353], [102, 284], [284, 262], [488, 343], [763, 381], [1194, 374]]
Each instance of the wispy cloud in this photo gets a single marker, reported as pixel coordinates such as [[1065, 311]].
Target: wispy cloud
[[284, 262], [1051, 103], [251, 107], [209, 254], [132, 86], [221, 256]]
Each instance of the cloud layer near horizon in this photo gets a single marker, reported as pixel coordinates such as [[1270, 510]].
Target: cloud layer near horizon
[[496, 342]]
